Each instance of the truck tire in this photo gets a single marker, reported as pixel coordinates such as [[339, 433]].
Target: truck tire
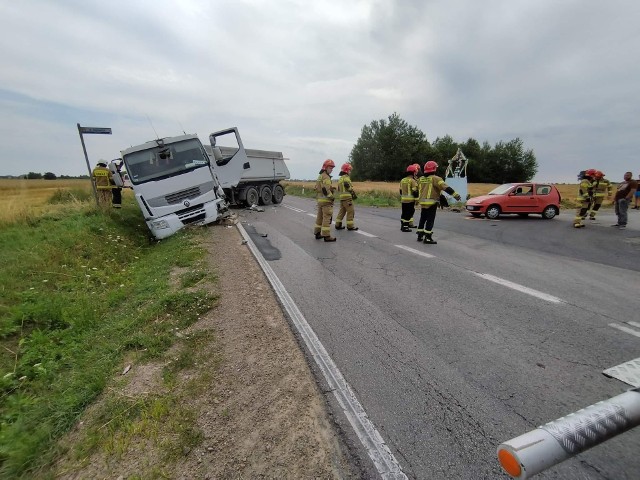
[[278, 194], [252, 196], [265, 195]]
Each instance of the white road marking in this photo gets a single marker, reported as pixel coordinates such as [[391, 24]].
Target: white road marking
[[293, 208], [622, 328], [634, 324], [384, 461], [311, 215], [366, 234], [520, 288], [414, 251]]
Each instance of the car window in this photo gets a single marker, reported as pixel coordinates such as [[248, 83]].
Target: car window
[[524, 190], [543, 190]]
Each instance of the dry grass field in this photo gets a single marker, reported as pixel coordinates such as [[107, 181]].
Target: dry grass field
[[21, 198]]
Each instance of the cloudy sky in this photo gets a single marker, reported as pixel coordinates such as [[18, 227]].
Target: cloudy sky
[[304, 77]]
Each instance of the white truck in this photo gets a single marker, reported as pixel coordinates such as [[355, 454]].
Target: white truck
[[178, 181], [248, 177]]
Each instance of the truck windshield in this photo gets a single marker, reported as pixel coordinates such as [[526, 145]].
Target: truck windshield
[[165, 161]]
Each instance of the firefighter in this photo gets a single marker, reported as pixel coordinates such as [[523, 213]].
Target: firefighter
[[102, 179], [601, 188], [408, 197], [429, 188], [346, 195], [585, 196], [324, 198]]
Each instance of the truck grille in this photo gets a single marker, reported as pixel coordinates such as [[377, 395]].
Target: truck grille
[[178, 197]]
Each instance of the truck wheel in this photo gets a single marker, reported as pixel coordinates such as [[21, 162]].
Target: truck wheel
[[252, 196], [265, 195], [278, 194]]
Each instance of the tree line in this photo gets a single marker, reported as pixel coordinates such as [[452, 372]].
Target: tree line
[[386, 147], [46, 176]]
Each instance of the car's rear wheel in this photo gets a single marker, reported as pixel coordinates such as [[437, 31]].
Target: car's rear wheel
[[549, 212], [493, 212]]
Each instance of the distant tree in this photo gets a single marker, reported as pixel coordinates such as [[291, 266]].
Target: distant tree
[[385, 149], [49, 176], [510, 162], [34, 176]]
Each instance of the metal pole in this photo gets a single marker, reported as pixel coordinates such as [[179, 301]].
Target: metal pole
[[535, 451], [86, 157]]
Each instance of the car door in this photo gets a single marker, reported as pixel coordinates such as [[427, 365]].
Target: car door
[[521, 199]]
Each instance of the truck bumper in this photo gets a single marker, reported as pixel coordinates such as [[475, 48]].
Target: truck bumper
[[163, 227]]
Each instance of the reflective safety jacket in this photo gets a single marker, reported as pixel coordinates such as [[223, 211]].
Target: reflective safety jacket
[[602, 188], [102, 177], [430, 187], [408, 189], [324, 189], [585, 190], [345, 188]]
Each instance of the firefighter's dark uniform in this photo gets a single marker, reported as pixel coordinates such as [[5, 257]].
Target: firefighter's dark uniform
[[324, 199], [429, 189], [408, 198], [346, 195]]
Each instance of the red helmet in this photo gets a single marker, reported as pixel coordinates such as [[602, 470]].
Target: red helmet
[[430, 167], [346, 167], [328, 163], [412, 169], [417, 165], [599, 174], [591, 172]]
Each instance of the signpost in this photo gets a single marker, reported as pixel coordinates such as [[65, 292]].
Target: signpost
[[91, 130]]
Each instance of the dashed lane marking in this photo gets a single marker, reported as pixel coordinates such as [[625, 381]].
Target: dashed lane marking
[[294, 208], [520, 288], [622, 328], [416, 252], [366, 234]]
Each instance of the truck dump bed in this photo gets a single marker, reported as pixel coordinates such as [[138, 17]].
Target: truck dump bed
[[264, 164]]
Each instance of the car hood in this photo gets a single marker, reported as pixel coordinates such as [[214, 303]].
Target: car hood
[[482, 198]]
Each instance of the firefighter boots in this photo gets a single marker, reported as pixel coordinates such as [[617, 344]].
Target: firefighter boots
[[420, 236], [339, 226], [405, 228], [318, 236], [352, 228], [429, 240], [329, 239]]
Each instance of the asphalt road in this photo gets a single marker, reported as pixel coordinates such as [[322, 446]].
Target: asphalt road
[[447, 357]]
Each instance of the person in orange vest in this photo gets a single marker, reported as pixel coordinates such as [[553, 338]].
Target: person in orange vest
[[409, 197], [429, 189], [324, 199], [346, 195], [102, 179]]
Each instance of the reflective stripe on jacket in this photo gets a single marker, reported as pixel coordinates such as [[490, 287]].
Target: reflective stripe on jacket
[[408, 186], [602, 188], [344, 187], [585, 189], [430, 187], [324, 180]]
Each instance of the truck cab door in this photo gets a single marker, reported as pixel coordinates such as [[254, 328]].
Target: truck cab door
[[227, 157]]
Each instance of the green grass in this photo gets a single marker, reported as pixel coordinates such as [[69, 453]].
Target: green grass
[[80, 290]]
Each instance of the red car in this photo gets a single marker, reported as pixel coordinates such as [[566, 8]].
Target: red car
[[521, 198]]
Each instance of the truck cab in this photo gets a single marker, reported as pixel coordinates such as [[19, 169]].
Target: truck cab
[[174, 184]]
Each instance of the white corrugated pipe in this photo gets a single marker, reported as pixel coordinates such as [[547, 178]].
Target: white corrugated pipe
[[550, 444]]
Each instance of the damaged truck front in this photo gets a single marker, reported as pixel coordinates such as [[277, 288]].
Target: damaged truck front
[[174, 184]]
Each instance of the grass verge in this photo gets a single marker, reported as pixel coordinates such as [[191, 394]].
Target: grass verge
[[82, 289]]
